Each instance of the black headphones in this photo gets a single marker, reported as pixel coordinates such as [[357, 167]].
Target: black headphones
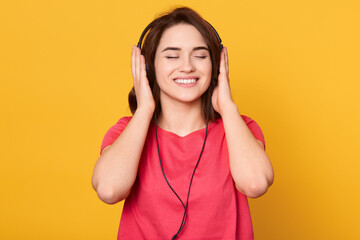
[[149, 26], [157, 141]]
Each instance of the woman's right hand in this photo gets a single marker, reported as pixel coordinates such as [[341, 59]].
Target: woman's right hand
[[144, 97]]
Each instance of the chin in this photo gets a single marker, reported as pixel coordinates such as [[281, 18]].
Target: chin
[[189, 99]]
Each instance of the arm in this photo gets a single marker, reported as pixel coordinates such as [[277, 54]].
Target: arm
[[250, 166], [116, 169]]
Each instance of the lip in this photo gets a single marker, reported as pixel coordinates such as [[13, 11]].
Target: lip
[[187, 77]]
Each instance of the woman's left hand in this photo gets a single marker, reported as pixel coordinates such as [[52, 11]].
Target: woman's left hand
[[222, 96]]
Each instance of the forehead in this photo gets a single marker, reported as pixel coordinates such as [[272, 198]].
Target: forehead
[[181, 35]]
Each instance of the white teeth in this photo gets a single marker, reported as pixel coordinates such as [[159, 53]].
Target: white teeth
[[185, 81]]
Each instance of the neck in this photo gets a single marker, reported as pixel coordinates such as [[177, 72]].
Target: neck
[[181, 118]]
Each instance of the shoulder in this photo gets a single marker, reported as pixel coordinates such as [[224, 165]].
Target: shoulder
[[120, 125], [124, 120], [246, 119], [114, 132], [253, 127]]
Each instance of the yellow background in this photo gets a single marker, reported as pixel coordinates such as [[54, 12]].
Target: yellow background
[[65, 75]]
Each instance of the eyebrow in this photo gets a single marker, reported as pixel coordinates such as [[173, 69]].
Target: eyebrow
[[178, 49]]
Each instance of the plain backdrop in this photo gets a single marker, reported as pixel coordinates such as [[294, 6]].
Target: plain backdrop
[[65, 75]]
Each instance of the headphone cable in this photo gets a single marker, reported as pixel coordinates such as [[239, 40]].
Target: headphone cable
[[197, 163]]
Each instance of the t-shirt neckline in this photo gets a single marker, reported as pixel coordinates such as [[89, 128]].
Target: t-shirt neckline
[[199, 131]]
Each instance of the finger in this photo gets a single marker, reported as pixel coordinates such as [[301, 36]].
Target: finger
[[137, 64], [226, 61], [133, 61], [142, 68], [222, 62]]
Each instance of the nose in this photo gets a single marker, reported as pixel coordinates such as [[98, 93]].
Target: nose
[[186, 65]]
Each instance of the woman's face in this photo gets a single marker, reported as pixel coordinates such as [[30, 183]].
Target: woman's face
[[182, 64]]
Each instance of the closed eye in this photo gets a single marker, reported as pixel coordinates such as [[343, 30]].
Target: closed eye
[[200, 57]]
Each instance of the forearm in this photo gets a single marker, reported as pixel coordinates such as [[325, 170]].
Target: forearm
[[250, 166], [116, 169]]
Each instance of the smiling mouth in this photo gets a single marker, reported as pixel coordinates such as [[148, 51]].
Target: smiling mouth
[[186, 81]]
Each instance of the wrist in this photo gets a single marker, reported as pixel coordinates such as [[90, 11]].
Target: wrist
[[146, 113], [229, 109]]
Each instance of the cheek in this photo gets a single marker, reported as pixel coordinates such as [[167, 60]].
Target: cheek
[[208, 69], [163, 69], [209, 73], [162, 73]]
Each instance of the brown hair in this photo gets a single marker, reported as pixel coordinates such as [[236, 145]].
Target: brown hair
[[151, 42]]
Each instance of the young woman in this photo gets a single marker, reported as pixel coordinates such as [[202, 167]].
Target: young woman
[[186, 161]]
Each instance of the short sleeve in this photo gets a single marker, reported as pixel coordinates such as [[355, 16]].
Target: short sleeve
[[254, 128], [114, 132]]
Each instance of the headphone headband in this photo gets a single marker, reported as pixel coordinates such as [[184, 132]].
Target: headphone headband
[[143, 34]]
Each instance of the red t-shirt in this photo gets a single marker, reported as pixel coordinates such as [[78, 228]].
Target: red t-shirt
[[216, 210]]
